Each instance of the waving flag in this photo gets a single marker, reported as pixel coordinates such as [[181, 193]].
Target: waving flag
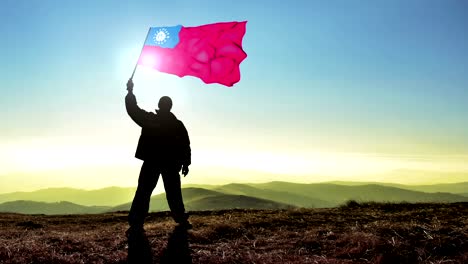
[[210, 52]]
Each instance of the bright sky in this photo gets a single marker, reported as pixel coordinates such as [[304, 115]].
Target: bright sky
[[330, 90]]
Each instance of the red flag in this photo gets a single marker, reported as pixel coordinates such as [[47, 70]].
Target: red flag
[[210, 52]]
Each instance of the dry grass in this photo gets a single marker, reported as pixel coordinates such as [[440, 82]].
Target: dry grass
[[354, 233]]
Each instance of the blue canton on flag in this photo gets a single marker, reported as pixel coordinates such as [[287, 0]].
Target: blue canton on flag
[[164, 37]]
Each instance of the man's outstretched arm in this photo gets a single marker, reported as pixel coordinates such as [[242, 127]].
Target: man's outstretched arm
[[140, 116]]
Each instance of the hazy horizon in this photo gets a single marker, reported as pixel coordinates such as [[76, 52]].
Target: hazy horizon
[[330, 90], [159, 189]]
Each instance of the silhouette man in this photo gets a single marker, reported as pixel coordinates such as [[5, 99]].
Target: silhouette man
[[164, 147]]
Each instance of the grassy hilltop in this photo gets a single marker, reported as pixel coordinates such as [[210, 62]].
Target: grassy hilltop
[[355, 233]]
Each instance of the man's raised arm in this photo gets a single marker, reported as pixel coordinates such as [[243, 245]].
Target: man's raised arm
[[140, 116]]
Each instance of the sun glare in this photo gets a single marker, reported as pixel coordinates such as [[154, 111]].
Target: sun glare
[[41, 156], [149, 60]]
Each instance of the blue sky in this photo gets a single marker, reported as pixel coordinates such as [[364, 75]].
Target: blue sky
[[368, 77]]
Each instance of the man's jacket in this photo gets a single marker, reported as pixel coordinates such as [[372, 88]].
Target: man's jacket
[[163, 139]]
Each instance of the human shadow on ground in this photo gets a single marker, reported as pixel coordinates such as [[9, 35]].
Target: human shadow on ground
[[139, 249], [177, 250]]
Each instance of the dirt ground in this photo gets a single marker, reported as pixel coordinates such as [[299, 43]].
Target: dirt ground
[[355, 233]]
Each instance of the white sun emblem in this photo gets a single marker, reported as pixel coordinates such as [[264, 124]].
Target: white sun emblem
[[161, 36]]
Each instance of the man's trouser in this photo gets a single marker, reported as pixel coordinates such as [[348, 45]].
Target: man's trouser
[[147, 181]]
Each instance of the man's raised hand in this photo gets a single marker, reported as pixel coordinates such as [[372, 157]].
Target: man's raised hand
[[130, 85]]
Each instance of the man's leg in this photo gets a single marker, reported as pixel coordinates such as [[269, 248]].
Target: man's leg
[[147, 180], [172, 186]]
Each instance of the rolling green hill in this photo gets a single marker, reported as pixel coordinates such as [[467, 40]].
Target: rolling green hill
[[198, 199], [230, 201], [30, 207], [110, 196], [158, 202], [273, 195]]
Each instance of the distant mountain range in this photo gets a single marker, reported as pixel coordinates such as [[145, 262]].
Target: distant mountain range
[[272, 195], [110, 196], [335, 194], [457, 188], [31, 207]]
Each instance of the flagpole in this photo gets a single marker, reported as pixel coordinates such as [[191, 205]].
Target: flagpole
[[134, 69]]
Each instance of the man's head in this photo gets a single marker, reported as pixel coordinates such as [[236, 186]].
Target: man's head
[[165, 104]]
